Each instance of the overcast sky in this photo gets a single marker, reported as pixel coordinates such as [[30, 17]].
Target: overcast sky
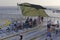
[[8, 2], [39, 2]]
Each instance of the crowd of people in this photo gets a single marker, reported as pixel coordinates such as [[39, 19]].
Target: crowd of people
[[51, 27], [28, 23]]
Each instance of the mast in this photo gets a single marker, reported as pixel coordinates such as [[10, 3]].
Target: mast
[[20, 11]]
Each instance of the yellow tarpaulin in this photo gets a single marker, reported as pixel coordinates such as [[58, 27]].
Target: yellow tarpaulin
[[6, 23]]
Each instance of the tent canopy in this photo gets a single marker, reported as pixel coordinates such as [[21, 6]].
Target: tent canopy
[[32, 10]]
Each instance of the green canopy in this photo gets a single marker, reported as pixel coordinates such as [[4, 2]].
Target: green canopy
[[32, 10]]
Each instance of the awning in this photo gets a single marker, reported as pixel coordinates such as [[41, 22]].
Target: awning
[[32, 10]]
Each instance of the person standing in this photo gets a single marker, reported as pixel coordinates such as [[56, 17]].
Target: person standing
[[42, 19], [34, 23], [57, 26], [48, 24], [21, 36], [49, 34], [49, 30], [30, 23]]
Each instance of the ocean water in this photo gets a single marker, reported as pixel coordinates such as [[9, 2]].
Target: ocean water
[[9, 12], [9, 9]]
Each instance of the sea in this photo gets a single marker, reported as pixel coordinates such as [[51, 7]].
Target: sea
[[9, 13]]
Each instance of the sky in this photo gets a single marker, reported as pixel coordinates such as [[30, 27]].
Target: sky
[[8, 2], [39, 2], [42, 2]]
